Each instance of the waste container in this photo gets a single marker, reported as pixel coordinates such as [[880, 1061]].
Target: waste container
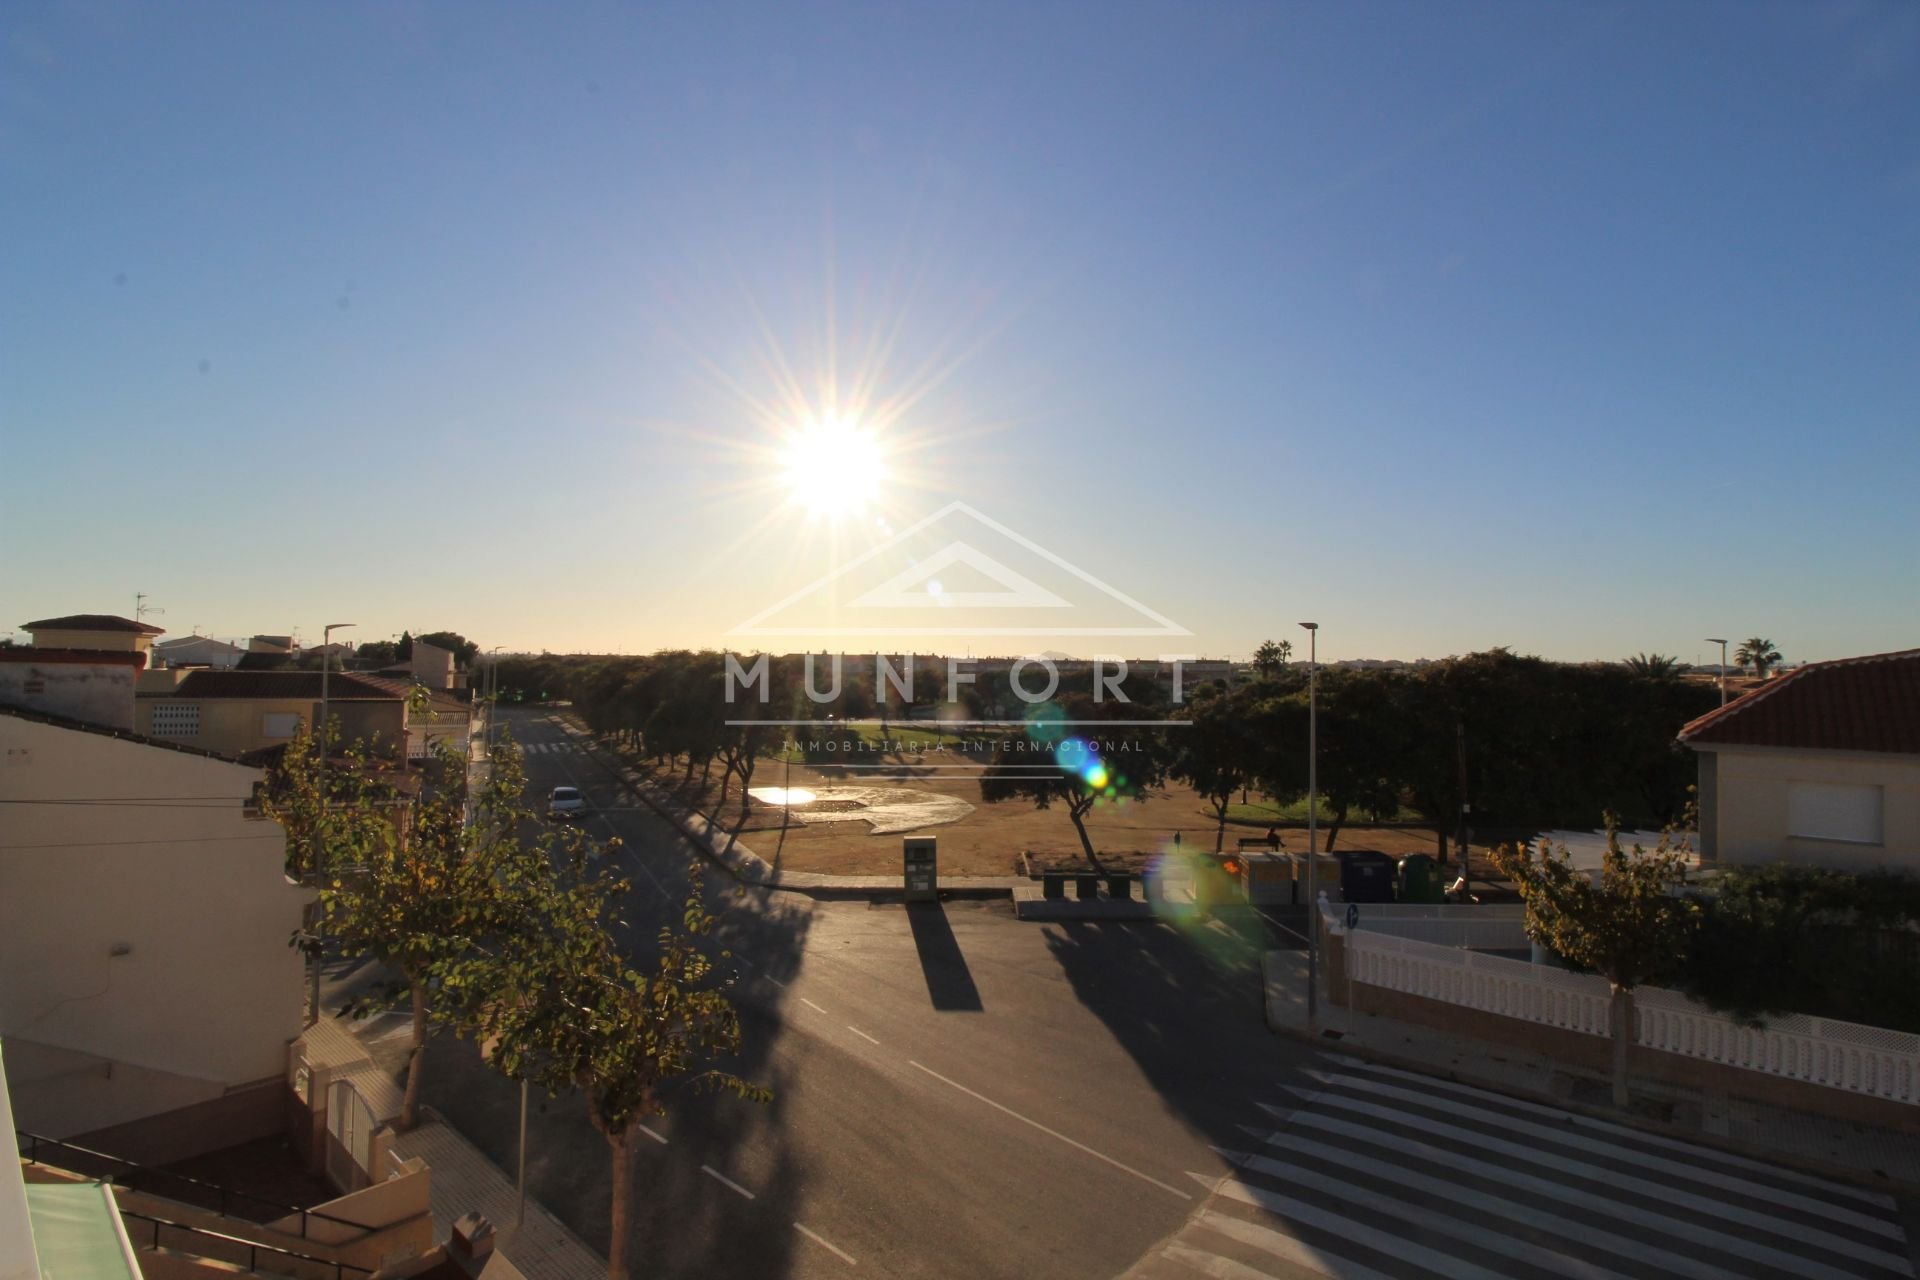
[[921, 859], [1366, 875], [1420, 879]]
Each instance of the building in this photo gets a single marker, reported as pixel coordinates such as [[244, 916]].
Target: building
[[147, 991], [92, 631], [94, 685], [1820, 766], [197, 651], [238, 712]]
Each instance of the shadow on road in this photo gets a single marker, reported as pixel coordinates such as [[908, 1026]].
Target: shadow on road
[[949, 982], [684, 1223]]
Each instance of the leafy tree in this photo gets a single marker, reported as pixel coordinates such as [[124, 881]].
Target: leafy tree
[[1758, 654], [404, 649], [1655, 666], [1271, 657], [1626, 924], [415, 884], [565, 1009], [375, 654], [464, 650], [1364, 744], [1046, 765], [1216, 755]]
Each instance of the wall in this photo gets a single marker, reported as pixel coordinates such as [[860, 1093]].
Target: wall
[[234, 726], [1749, 807], [207, 992], [97, 692], [117, 641]]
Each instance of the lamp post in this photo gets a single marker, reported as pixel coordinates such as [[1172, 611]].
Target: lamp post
[[493, 694], [1723, 667], [326, 666], [1313, 817]]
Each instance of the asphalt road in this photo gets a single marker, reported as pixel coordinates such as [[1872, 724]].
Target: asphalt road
[[955, 1093]]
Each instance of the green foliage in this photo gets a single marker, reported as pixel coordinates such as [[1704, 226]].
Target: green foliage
[[1626, 924], [464, 650], [1044, 767], [1786, 939], [1758, 653], [1272, 656], [1654, 666]]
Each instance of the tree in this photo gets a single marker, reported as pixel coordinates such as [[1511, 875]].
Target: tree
[[1092, 765], [414, 885], [1626, 925], [564, 1009], [1215, 755], [1758, 654], [464, 650], [1271, 656], [1655, 666]]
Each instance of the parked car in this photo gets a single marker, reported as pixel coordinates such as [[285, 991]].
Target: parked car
[[566, 802]]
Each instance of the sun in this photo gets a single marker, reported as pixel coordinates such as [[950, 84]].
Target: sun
[[833, 466]]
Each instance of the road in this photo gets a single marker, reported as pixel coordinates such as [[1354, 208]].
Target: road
[[958, 1094]]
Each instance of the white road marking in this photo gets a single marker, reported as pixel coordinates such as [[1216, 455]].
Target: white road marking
[[775, 981], [1600, 1146], [1381, 1208], [1664, 1192], [1725, 1158], [651, 1134], [724, 1180], [863, 1035], [826, 1244], [1590, 1202], [811, 1005], [1052, 1133], [1212, 1264]]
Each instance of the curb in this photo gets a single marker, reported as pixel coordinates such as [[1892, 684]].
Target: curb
[[1884, 1183], [752, 870]]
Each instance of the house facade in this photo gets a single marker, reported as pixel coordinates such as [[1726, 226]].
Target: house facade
[[1820, 767], [197, 651], [92, 631]]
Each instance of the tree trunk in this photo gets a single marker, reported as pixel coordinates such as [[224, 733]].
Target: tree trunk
[[1333, 832], [621, 1148], [417, 1055], [1622, 1020], [1075, 812], [1220, 832]]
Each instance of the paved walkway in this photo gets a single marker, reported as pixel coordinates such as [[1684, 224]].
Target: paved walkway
[[1833, 1148], [465, 1181]]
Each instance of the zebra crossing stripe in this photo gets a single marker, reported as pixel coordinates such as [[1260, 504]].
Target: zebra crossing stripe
[[1727, 1159], [1285, 1247], [1600, 1146], [1592, 1202], [1211, 1264], [1472, 1234], [1509, 1209], [1351, 1229]]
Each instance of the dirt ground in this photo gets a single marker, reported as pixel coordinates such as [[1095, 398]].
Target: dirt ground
[[989, 840]]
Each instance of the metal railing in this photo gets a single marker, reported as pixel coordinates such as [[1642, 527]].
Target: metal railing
[[253, 1248], [125, 1173]]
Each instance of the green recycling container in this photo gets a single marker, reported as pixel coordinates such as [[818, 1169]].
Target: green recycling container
[[1420, 879]]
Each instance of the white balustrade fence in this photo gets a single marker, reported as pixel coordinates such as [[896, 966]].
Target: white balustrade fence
[[1822, 1051]]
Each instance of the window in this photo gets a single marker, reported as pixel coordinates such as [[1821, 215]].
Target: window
[[1832, 811], [176, 720], [279, 724]]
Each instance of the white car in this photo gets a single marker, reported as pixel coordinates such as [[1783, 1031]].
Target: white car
[[566, 802]]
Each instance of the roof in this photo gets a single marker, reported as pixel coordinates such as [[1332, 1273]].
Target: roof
[[1870, 703], [108, 731], [189, 641], [94, 622], [342, 686], [88, 657]]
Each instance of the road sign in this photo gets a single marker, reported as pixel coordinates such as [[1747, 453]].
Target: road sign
[[1353, 916]]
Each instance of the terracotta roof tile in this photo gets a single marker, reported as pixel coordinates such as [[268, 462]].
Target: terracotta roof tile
[[1853, 704], [94, 622], [343, 686]]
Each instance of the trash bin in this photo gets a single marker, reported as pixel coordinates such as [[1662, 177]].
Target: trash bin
[[1420, 879], [921, 867], [1366, 875]]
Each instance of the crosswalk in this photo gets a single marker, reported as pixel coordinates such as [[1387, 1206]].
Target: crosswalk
[[1365, 1172], [550, 748]]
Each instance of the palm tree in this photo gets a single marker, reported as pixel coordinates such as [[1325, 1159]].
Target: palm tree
[[1656, 666], [1758, 654]]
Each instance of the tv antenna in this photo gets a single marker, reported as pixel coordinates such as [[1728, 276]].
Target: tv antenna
[[141, 608]]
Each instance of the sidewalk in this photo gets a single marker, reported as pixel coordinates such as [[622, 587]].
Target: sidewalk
[[1877, 1158], [465, 1181], [750, 868]]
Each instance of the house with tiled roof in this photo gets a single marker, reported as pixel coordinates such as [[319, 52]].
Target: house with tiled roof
[[1820, 767], [241, 712], [106, 631]]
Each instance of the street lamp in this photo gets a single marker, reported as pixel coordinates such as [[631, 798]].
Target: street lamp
[[1313, 816], [1723, 667], [326, 666], [493, 694]]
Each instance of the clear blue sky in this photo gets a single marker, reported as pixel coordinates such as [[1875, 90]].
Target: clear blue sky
[[1584, 329]]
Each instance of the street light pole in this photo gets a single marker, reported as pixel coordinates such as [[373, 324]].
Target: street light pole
[[1313, 817], [326, 666], [493, 694], [1723, 667]]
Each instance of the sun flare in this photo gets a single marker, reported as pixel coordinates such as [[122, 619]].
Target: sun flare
[[833, 466]]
